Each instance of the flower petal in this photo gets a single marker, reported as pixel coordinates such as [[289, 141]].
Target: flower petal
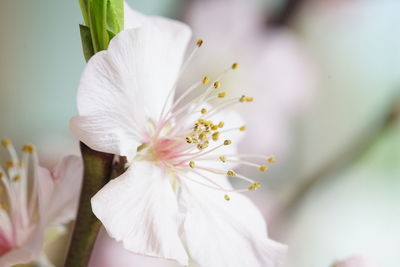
[[226, 233], [110, 135], [109, 253], [123, 87], [65, 196], [139, 208]]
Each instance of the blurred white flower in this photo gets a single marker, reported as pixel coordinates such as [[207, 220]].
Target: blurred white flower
[[34, 200], [170, 201], [356, 261], [278, 74]]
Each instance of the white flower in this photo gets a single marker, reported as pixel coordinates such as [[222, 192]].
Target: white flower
[[34, 200], [170, 201]]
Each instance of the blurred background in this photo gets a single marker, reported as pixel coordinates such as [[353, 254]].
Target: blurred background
[[326, 79]]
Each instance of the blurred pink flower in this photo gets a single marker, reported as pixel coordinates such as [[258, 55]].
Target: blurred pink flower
[[278, 72], [357, 261], [32, 201]]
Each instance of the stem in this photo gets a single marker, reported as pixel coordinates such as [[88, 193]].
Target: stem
[[97, 170]]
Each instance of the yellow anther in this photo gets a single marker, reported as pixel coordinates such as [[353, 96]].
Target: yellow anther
[[217, 85], [208, 123], [249, 99], [199, 42], [227, 142], [222, 95], [263, 168], [201, 121], [206, 80], [6, 142], [254, 186], [189, 139], [235, 65], [203, 145], [222, 158], [1, 175], [203, 111], [214, 127], [215, 136], [227, 198], [242, 98], [16, 178], [202, 136], [28, 148], [9, 164], [191, 164], [231, 173], [271, 159], [243, 128], [221, 124], [141, 147]]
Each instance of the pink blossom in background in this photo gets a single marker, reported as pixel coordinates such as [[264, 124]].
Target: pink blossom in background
[[276, 70], [357, 261], [34, 200]]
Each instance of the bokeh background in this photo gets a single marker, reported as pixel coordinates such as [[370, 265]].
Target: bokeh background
[[328, 76]]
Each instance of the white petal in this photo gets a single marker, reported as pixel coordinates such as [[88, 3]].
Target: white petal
[[128, 83], [139, 208], [67, 185], [226, 233], [109, 253], [106, 134], [133, 19]]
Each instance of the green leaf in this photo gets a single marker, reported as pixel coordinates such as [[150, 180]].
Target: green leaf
[[98, 24], [87, 44], [115, 16]]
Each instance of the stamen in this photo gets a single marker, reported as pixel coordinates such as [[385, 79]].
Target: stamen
[[217, 85], [191, 164], [243, 128], [227, 197], [199, 42], [271, 159], [235, 65], [206, 80]]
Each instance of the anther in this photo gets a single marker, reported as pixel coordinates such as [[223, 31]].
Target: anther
[[254, 186], [6, 142], [16, 178], [191, 164], [1, 175], [28, 148], [271, 159], [214, 127], [227, 198], [221, 124], [215, 136], [189, 139], [242, 98], [231, 173], [249, 99], [263, 168], [222, 158], [227, 142], [243, 128], [203, 111], [9, 164], [199, 42], [222, 95], [235, 65], [206, 80], [217, 84]]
